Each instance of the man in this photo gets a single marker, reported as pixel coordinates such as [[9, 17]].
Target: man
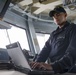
[[60, 47]]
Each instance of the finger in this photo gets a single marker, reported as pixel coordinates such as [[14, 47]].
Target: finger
[[35, 65], [32, 63]]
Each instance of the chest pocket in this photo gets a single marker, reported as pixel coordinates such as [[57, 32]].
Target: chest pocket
[[60, 39]]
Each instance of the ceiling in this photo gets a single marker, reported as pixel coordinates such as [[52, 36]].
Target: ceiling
[[38, 7]]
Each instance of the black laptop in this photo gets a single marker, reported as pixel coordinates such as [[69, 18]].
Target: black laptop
[[17, 55]]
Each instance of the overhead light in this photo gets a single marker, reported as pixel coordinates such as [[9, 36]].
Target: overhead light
[[68, 2], [71, 4], [72, 7]]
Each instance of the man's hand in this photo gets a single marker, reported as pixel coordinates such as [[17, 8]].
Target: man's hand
[[40, 66]]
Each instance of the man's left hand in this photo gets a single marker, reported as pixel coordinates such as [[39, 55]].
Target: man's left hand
[[45, 66]]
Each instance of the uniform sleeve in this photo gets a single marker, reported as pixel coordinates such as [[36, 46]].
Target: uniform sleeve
[[69, 59], [42, 57]]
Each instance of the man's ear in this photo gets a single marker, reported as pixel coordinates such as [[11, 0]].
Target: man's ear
[[65, 14]]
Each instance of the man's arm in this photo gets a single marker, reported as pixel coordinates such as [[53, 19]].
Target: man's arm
[[42, 57]]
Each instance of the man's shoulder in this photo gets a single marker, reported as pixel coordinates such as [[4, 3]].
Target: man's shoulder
[[72, 28], [73, 25]]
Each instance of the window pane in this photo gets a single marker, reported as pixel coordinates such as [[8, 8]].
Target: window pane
[[18, 34], [42, 38]]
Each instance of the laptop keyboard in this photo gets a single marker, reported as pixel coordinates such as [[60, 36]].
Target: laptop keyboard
[[36, 72], [21, 69], [33, 72]]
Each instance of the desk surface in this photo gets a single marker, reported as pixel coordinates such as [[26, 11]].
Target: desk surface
[[68, 74], [10, 72]]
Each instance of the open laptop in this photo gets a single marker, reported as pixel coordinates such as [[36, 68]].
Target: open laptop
[[15, 52]]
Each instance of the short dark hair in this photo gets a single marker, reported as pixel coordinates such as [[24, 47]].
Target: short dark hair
[[57, 9]]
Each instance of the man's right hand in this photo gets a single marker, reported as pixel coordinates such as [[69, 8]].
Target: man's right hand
[[34, 65]]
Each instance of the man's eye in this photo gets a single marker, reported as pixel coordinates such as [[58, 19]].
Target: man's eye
[[57, 14]]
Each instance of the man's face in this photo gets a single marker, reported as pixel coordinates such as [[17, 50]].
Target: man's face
[[59, 18]]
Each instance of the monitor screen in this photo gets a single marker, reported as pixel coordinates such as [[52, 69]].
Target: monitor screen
[[4, 4]]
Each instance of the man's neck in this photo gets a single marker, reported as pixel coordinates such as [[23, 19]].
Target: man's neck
[[62, 24]]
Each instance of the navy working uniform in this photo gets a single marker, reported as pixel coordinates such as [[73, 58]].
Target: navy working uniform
[[61, 49]]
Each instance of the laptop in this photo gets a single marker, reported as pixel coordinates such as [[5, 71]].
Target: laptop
[[15, 52]]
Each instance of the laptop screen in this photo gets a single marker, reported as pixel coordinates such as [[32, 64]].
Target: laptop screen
[[15, 52]]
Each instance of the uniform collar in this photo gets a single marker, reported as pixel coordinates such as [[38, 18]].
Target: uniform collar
[[66, 24]]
